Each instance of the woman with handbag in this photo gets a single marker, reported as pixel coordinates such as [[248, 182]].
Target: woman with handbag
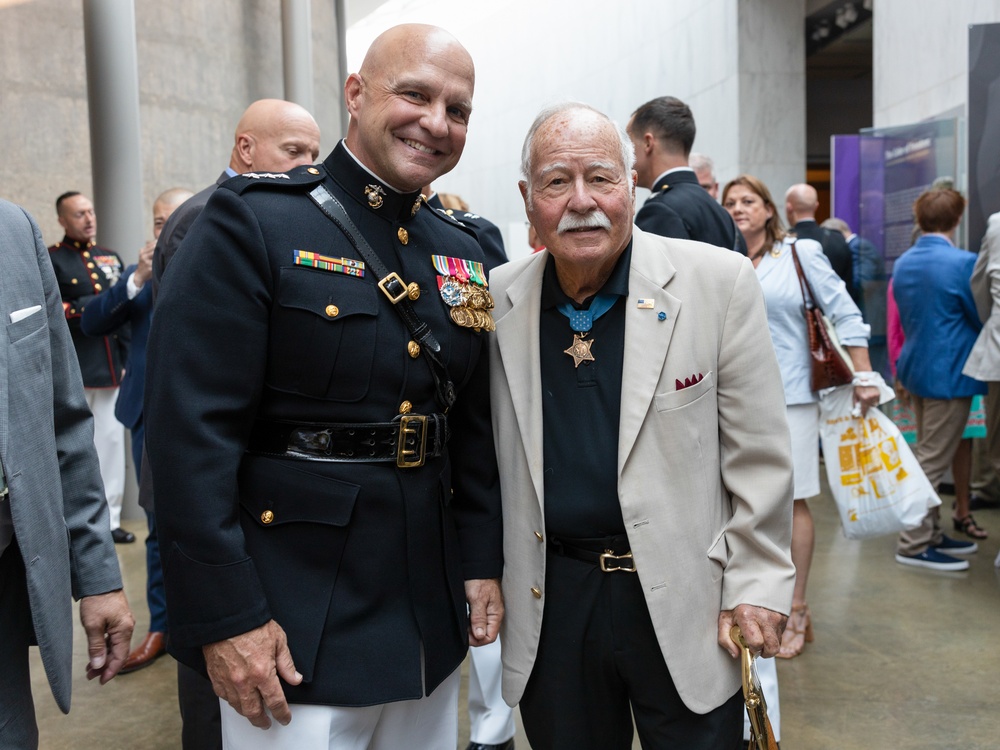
[[930, 283], [797, 279]]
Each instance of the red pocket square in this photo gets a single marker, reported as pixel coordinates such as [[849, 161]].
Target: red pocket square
[[688, 382]]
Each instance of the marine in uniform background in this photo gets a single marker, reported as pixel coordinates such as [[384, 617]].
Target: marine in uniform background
[[130, 303], [309, 485], [662, 131], [83, 270]]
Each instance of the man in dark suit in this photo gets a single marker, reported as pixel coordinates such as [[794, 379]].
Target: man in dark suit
[[271, 136], [324, 522], [54, 533], [83, 270], [801, 202], [662, 131], [130, 303]]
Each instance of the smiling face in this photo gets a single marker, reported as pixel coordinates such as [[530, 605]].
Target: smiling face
[[579, 195], [410, 106]]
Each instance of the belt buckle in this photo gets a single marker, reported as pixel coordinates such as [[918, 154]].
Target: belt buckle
[[411, 424], [609, 555], [383, 284]]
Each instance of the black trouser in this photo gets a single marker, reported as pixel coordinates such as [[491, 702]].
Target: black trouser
[[599, 665], [17, 710]]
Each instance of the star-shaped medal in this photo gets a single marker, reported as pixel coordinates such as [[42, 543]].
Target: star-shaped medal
[[580, 350]]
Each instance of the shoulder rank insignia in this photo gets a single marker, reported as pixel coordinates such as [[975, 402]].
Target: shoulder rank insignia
[[268, 175], [347, 266], [462, 284]]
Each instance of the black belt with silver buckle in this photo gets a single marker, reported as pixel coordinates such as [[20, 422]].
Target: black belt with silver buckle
[[599, 551], [406, 441]]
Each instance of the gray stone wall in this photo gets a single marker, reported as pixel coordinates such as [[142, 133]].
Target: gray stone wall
[[200, 64]]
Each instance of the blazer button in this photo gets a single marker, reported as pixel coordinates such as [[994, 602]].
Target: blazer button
[[413, 349], [404, 236], [267, 516], [538, 536], [332, 311], [537, 592]]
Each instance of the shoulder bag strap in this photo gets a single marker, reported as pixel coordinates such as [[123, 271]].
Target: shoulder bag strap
[[810, 300], [395, 289]]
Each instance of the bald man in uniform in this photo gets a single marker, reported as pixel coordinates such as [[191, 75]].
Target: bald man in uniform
[[801, 202], [329, 431]]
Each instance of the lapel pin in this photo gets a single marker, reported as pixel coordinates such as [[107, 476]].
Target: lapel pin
[[645, 304], [661, 316]]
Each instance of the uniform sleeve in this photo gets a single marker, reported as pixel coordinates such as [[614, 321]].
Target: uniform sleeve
[[658, 218], [755, 455], [205, 369], [93, 562], [109, 310]]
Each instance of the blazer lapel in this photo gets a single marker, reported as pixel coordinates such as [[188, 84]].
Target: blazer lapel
[[647, 337], [517, 336]]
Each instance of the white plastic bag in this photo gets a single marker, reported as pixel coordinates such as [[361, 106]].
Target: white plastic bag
[[874, 477]]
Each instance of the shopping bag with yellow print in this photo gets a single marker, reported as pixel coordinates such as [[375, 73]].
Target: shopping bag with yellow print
[[874, 476]]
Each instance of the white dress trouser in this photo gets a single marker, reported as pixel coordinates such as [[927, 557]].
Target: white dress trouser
[[109, 438], [429, 723], [491, 719]]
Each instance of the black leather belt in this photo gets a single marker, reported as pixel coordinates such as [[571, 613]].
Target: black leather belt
[[610, 553], [407, 441]]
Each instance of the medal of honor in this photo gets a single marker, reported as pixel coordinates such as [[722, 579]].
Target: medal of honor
[[579, 350], [581, 321]]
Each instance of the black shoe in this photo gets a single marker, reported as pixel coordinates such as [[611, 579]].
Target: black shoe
[[508, 745], [121, 536], [978, 502]]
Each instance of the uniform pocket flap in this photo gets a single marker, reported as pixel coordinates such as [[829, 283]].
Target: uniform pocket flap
[[328, 295], [277, 492]]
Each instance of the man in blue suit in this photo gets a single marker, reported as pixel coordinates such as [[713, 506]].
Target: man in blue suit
[[130, 300]]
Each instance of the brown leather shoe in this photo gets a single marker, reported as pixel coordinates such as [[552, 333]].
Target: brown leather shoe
[[153, 646]]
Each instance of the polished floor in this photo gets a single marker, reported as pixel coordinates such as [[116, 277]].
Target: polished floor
[[903, 658]]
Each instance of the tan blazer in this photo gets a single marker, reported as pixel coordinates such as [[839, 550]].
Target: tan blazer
[[705, 476], [984, 359]]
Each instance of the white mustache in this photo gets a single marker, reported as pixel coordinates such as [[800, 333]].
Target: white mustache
[[596, 219]]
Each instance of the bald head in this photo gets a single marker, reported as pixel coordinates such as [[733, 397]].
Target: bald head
[[165, 204], [410, 105], [274, 136], [801, 202]]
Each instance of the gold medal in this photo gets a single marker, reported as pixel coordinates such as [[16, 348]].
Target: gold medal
[[580, 350]]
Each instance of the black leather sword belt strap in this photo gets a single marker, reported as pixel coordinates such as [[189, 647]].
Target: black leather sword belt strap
[[406, 441], [605, 552]]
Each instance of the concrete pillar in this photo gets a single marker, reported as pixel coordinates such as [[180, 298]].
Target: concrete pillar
[[296, 44], [772, 92], [113, 103], [342, 59]]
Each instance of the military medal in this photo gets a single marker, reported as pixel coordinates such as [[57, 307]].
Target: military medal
[[581, 321], [463, 288]]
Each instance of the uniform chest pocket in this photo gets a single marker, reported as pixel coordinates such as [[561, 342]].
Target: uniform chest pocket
[[323, 330]]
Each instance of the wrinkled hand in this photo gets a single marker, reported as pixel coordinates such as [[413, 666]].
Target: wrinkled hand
[[144, 270], [866, 395], [485, 610], [108, 622], [762, 629], [245, 668]]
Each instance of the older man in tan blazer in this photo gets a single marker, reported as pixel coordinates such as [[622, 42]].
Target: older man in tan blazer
[[645, 467]]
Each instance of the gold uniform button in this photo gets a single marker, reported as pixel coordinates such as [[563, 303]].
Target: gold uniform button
[[85, 253], [332, 311], [90, 265], [403, 235], [413, 291], [312, 170], [94, 276], [73, 281], [538, 535], [413, 349], [267, 516], [537, 592], [405, 408], [98, 287]]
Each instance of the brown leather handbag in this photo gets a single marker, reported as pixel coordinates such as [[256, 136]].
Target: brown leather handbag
[[830, 365]]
